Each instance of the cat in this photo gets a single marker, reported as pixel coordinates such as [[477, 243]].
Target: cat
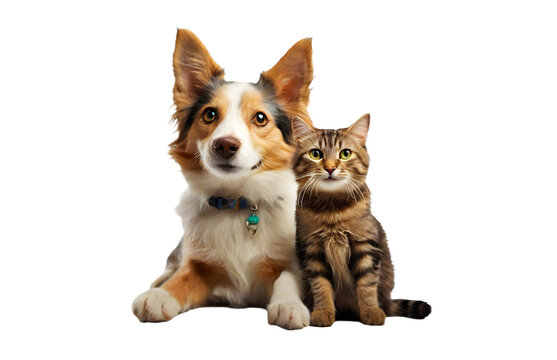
[[341, 247]]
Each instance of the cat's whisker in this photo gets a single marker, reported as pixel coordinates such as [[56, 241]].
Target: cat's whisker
[[361, 193], [304, 176], [356, 190], [314, 186], [303, 192], [351, 191], [353, 186], [301, 196]]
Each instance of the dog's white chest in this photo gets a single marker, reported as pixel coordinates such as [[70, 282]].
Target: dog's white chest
[[220, 236]]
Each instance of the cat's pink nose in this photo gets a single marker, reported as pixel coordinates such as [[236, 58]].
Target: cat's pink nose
[[330, 170]]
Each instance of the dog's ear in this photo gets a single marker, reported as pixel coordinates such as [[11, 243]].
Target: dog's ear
[[292, 75], [194, 67], [194, 70], [360, 129], [300, 129]]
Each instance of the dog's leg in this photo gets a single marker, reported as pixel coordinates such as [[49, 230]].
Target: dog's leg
[[286, 308], [186, 289], [172, 265]]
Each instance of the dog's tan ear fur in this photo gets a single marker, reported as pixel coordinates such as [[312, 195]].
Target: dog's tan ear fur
[[291, 77], [193, 67], [194, 70]]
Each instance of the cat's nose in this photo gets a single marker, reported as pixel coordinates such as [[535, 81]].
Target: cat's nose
[[330, 170], [226, 146]]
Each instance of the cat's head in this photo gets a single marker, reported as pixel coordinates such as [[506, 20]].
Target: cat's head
[[333, 161]]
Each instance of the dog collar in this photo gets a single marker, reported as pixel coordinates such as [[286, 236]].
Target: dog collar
[[232, 204], [238, 204]]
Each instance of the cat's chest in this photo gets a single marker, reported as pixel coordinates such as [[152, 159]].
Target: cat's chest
[[335, 237], [337, 250], [336, 244]]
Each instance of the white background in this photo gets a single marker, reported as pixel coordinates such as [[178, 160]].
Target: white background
[[463, 103]]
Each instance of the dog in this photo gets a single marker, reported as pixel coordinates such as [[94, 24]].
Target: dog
[[235, 148]]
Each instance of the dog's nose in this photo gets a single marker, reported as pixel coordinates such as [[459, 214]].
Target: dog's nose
[[226, 146]]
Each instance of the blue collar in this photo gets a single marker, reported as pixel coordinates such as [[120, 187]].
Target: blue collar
[[223, 203]]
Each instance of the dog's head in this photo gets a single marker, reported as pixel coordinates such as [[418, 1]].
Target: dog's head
[[232, 129]]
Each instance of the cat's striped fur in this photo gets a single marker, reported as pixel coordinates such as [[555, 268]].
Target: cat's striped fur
[[342, 248]]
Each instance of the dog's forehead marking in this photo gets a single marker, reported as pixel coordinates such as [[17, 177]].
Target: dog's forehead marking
[[235, 91], [232, 122]]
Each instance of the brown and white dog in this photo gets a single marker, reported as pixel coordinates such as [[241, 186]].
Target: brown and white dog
[[235, 148]]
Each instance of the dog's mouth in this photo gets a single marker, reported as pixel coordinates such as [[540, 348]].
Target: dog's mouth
[[229, 168], [256, 166]]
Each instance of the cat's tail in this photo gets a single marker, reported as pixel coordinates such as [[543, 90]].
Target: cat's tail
[[414, 309]]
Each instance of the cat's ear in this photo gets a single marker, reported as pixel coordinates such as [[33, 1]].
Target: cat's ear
[[300, 129], [359, 129]]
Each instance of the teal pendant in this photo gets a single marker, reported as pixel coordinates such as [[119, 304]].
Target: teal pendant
[[253, 219], [251, 223]]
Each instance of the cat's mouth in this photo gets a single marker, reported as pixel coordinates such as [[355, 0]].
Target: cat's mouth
[[331, 183], [332, 177]]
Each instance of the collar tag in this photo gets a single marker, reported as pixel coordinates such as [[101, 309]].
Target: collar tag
[[252, 221]]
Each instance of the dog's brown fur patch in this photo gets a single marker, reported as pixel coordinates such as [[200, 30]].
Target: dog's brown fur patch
[[267, 140], [267, 271], [184, 151], [192, 284]]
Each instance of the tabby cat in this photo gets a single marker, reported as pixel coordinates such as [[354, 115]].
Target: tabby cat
[[341, 247]]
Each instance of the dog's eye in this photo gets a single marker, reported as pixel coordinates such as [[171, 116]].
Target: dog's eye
[[315, 154], [210, 115], [345, 154], [260, 119]]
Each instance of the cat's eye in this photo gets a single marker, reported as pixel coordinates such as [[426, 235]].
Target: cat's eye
[[209, 115], [315, 154], [345, 154], [260, 119]]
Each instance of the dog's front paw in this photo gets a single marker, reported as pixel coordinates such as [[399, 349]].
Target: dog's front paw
[[372, 315], [322, 317], [155, 305], [288, 315]]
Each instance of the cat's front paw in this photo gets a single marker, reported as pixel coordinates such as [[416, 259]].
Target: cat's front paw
[[155, 305], [322, 317], [372, 315], [288, 315]]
